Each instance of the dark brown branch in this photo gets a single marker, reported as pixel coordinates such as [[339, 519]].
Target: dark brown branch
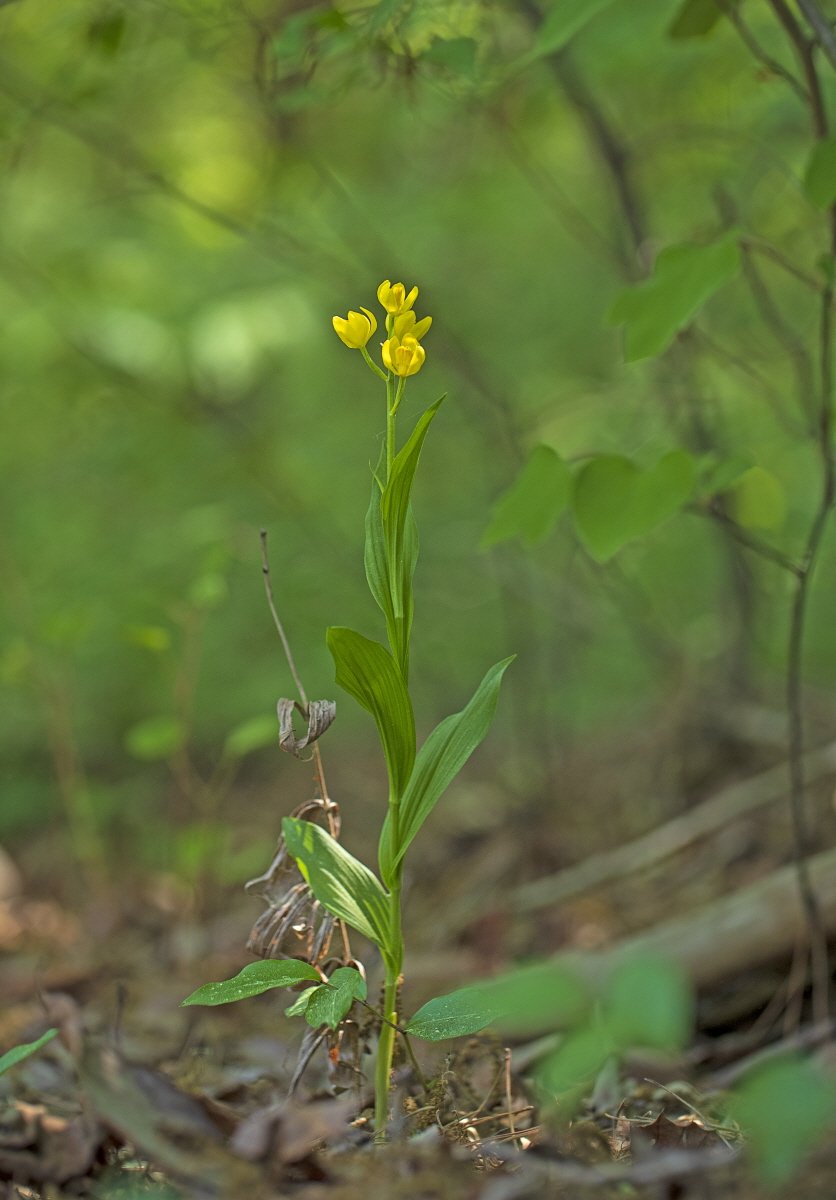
[[739, 534], [823, 28], [732, 10], [805, 51]]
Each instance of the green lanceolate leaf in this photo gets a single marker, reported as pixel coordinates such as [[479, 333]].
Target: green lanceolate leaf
[[614, 501], [255, 978], [368, 672], [683, 279], [648, 1004], [440, 759], [331, 1002], [463, 1012], [532, 504], [398, 627], [18, 1053], [340, 882], [401, 542]]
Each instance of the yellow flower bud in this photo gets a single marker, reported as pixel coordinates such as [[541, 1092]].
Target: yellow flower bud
[[357, 329], [407, 326], [404, 357], [394, 299]]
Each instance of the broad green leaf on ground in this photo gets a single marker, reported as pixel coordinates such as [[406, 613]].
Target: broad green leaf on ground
[[456, 54], [440, 759], [18, 1053], [759, 501], [252, 735], [368, 672], [576, 1061], [695, 18], [718, 475], [783, 1108], [340, 882], [463, 1012], [532, 504], [155, 738], [564, 19], [683, 279], [297, 1008], [614, 501], [820, 175], [400, 542], [648, 1005], [330, 1003], [538, 997], [255, 978]]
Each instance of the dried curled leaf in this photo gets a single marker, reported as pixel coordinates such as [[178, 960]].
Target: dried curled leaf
[[319, 716], [293, 914]]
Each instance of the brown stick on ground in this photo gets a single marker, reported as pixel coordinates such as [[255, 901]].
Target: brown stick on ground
[[745, 929], [703, 819]]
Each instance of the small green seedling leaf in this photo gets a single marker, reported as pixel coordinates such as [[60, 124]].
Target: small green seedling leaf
[[684, 278], [759, 500], [695, 18], [368, 672], [340, 882], [252, 735], [255, 978], [783, 1108], [566, 18], [440, 759], [613, 501], [718, 476], [18, 1053], [530, 507], [464, 1012], [155, 738], [457, 55], [820, 175], [648, 1005], [576, 1061], [299, 1006], [331, 1002]]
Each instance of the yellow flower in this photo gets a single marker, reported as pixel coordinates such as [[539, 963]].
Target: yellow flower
[[394, 299], [404, 357], [407, 326], [357, 330]]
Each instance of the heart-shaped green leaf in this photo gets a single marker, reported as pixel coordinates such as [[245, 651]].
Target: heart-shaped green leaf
[[330, 1003], [683, 278], [466, 1011], [532, 504], [614, 501], [255, 978]]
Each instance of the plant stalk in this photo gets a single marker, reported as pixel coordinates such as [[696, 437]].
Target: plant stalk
[[386, 1044]]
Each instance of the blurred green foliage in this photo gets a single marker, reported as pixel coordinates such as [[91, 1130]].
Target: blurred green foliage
[[191, 189]]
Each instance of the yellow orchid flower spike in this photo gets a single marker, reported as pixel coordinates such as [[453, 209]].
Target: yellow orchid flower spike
[[394, 299], [355, 330], [407, 326], [403, 356]]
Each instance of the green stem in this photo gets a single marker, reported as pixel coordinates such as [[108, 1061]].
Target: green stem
[[386, 1044], [373, 364], [391, 410]]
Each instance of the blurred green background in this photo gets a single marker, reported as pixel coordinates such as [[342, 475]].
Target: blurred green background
[[190, 190]]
